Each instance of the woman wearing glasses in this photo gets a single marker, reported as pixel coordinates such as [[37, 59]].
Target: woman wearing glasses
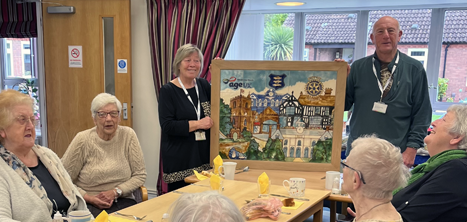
[[436, 189], [106, 162], [33, 183], [374, 168]]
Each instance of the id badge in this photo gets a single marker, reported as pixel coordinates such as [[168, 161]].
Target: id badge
[[200, 135], [380, 107]]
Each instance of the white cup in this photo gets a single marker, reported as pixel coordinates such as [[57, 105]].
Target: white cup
[[330, 175], [296, 186], [79, 216], [229, 170]]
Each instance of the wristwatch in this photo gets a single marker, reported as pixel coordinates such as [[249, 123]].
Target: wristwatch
[[119, 193]]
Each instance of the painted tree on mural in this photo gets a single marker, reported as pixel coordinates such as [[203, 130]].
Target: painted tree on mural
[[273, 150], [253, 152], [224, 118], [322, 151]]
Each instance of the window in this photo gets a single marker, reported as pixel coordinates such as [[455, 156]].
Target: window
[[9, 59], [452, 75], [420, 54], [278, 36], [19, 71], [330, 36]]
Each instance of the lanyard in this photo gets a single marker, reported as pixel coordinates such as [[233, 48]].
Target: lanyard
[[189, 97], [389, 80]]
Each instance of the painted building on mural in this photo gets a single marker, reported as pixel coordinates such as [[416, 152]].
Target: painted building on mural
[[271, 99]]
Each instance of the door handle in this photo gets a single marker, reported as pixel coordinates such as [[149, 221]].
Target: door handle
[[125, 111]]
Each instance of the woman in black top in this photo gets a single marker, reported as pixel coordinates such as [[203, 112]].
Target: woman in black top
[[184, 108], [436, 189]]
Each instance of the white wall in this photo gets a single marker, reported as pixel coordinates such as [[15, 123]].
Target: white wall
[[145, 114]]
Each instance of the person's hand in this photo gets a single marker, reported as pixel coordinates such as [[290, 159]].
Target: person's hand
[[107, 196], [350, 211], [409, 156], [95, 201], [348, 66], [217, 58], [205, 123]]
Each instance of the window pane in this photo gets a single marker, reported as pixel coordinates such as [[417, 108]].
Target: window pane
[[452, 81], [329, 36], [278, 36], [26, 46]]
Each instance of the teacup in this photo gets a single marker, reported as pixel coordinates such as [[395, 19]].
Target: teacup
[[296, 186], [229, 170], [79, 216]]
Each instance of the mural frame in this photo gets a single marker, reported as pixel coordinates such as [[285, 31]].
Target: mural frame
[[340, 67]]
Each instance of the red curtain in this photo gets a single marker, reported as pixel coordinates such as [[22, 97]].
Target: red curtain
[[17, 20], [209, 24]]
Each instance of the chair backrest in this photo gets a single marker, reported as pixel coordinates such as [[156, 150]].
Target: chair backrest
[[141, 194]]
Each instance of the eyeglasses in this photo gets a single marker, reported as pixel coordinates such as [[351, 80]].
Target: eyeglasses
[[102, 114], [22, 120], [358, 172]]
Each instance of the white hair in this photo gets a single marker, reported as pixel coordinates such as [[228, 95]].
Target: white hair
[[381, 166], [102, 100], [206, 206], [459, 127]]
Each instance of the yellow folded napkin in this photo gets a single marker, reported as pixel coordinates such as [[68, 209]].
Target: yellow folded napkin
[[102, 217], [118, 219], [263, 181], [217, 163], [199, 176], [297, 205], [215, 182]]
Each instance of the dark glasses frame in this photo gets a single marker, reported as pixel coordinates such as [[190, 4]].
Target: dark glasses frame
[[358, 172]]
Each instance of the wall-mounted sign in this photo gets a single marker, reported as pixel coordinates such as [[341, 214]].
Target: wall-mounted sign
[[75, 56], [122, 66]]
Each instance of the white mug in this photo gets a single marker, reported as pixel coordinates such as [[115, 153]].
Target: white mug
[[79, 216], [330, 175], [229, 170], [296, 186]]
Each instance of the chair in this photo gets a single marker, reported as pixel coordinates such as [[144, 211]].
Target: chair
[[141, 194]]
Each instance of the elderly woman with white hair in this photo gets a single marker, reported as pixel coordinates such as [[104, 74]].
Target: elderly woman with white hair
[[206, 206], [106, 162], [184, 116], [437, 188], [373, 170], [33, 183]]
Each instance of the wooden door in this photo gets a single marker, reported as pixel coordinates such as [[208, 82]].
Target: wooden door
[[69, 91]]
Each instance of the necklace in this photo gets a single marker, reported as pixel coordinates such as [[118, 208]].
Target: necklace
[[372, 209]]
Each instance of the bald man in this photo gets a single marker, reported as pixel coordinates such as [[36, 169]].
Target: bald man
[[389, 92]]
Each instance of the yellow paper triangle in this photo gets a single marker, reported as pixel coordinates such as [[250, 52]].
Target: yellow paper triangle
[[199, 176], [263, 181], [217, 163], [102, 217]]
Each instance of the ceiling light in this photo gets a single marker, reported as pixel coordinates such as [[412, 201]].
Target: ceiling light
[[290, 3]]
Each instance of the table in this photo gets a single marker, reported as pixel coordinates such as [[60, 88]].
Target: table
[[314, 180], [238, 192]]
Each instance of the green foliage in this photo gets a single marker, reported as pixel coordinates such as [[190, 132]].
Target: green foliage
[[274, 19], [442, 87], [246, 135], [278, 43], [322, 151], [223, 156], [253, 152], [224, 118], [449, 100]]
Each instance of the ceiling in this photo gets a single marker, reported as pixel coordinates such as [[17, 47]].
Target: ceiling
[[348, 5]]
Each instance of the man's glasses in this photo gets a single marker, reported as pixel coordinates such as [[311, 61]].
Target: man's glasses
[[22, 120], [358, 172], [102, 114]]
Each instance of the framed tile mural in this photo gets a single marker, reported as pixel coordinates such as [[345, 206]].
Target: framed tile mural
[[285, 115]]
